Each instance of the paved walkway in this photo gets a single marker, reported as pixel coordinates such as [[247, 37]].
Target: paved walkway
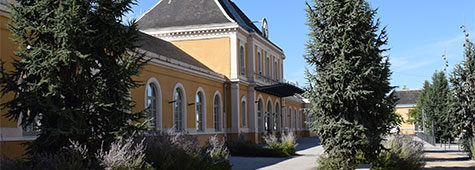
[[446, 158], [308, 150]]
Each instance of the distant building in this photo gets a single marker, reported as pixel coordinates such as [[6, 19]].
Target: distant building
[[407, 101], [212, 72]]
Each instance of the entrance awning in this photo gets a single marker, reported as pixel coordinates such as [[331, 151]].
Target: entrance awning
[[280, 89]]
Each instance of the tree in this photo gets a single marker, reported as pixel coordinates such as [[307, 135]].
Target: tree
[[74, 73], [349, 84], [437, 100], [462, 103]]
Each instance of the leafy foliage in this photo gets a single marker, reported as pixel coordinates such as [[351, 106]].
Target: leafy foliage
[[283, 147], [169, 150], [349, 84], [462, 103], [74, 73]]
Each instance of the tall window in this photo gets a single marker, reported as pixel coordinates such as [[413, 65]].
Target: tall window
[[295, 118], [199, 112], [243, 61], [284, 118], [268, 67], [276, 71], [290, 118], [259, 114], [267, 119], [178, 111], [152, 106], [217, 113], [277, 117], [243, 114], [259, 69], [300, 119]]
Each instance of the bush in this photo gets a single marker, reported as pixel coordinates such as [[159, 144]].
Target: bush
[[170, 150], [123, 154], [73, 157], [284, 147], [402, 152]]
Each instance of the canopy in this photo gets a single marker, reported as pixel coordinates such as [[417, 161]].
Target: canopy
[[280, 89]]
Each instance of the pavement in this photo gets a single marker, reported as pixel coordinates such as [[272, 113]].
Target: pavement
[[308, 150], [446, 157]]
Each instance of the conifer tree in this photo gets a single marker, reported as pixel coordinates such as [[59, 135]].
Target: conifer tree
[[462, 101], [74, 72], [349, 84]]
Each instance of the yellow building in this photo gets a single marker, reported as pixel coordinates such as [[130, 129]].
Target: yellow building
[[407, 101], [212, 72]]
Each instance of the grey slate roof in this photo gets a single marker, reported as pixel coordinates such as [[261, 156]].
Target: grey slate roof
[[176, 13], [407, 96], [167, 49]]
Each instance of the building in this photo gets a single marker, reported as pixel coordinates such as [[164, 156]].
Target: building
[[407, 101], [212, 72]]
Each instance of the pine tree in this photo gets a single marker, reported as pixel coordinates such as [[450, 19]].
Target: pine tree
[[74, 73], [349, 84], [462, 101]]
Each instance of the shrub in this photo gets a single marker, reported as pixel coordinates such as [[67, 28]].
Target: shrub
[[402, 152], [12, 164], [284, 147], [123, 154], [73, 157], [170, 150]]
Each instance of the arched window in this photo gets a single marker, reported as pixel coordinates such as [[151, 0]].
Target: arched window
[[276, 71], [199, 111], [259, 69], [268, 67], [217, 113], [295, 118], [277, 117], [178, 110], [243, 113], [243, 61], [259, 114], [290, 118], [152, 106], [267, 118]]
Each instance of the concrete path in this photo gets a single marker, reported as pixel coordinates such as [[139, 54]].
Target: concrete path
[[308, 150], [446, 158]]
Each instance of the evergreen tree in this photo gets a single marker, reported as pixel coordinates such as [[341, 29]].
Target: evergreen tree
[[74, 73], [349, 84], [437, 110], [462, 101]]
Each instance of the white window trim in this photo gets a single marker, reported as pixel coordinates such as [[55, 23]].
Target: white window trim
[[159, 116], [203, 95], [260, 121], [278, 122], [244, 123], [242, 63], [183, 105], [269, 100], [221, 127]]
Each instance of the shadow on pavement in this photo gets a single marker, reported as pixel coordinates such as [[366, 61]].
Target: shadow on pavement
[[307, 142], [450, 168], [248, 163]]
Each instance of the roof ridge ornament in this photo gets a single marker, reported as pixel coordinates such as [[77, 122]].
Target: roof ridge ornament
[[265, 28]]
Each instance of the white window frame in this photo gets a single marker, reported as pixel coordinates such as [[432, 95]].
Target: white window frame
[[158, 101], [217, 112], [182, 120], [200, 125], [243, 113], [242, 60]]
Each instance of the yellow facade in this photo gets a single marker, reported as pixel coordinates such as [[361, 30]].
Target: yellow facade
[[214, 53], [405, 127], [220, 54]]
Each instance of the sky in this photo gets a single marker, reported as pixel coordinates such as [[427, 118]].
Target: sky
[[420, 33]]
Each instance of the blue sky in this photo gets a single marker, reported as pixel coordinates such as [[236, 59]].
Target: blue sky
[[420, 32]]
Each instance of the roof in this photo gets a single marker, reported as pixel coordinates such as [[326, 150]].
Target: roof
[[181, 13], [164, 48], [280, 89], [406, 97]]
